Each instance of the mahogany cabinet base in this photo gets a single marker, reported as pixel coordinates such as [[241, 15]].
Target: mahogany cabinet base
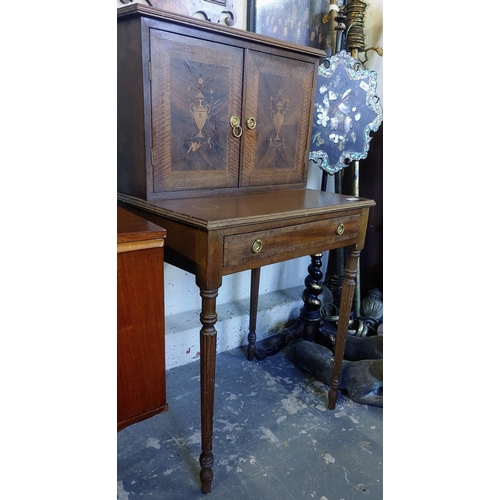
[[141, 376], [139, 418]]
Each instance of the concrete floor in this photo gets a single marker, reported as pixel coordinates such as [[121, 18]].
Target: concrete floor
[[274, 438]]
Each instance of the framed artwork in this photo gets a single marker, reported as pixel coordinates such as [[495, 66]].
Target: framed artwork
[[298, 21]]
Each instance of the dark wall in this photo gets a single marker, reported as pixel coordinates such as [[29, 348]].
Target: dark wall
[[371, 186]]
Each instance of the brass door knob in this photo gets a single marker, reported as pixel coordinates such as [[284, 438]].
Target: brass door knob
[[234, 121], [340, 229], [251, 122], [256, 246]]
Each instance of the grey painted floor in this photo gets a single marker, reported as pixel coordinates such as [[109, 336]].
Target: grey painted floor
[[274, 438]]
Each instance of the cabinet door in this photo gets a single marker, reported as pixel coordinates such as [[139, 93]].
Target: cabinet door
[[279, 97], [196, 86]]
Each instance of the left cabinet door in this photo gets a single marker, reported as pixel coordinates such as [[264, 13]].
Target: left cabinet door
[[196, 86]]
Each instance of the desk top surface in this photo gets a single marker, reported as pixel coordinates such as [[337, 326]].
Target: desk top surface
[[216, 212]]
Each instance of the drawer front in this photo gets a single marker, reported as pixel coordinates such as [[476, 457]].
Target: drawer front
[[307, 237]]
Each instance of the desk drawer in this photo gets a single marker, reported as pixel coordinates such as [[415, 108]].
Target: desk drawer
[[308, 238]]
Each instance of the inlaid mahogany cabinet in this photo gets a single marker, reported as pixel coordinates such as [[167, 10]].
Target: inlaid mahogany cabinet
[[206, 109], [214, 128], [141, 322]]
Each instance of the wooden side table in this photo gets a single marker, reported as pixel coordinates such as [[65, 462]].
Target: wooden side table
[[141, 319], [213, 236]]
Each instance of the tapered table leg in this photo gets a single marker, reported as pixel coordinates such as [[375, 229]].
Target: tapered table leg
[[346, 297], [208, 342], [254, 303]]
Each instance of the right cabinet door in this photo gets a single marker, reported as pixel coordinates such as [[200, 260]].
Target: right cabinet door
[[276, 120]]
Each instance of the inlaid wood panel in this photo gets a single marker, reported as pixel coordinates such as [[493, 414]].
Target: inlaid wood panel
[[278, 96], [196, 87]]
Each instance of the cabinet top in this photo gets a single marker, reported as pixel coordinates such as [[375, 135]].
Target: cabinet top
[[159, 14], [132, 228]]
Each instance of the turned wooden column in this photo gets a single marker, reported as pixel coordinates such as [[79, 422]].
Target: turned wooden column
[[208, 344], [310, 312], [308, 322], [348, 288]]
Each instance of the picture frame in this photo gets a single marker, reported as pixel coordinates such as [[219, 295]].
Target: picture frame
[[297, 21]]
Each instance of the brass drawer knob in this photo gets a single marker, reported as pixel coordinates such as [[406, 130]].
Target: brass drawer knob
[[340, 229], [256, 246]]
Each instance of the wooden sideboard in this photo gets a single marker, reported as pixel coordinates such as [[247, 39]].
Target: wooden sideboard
[[141, 321]]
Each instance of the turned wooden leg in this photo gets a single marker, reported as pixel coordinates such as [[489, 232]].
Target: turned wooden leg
[[345, 310], [254, 303], [310, 312], [208, 342]]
